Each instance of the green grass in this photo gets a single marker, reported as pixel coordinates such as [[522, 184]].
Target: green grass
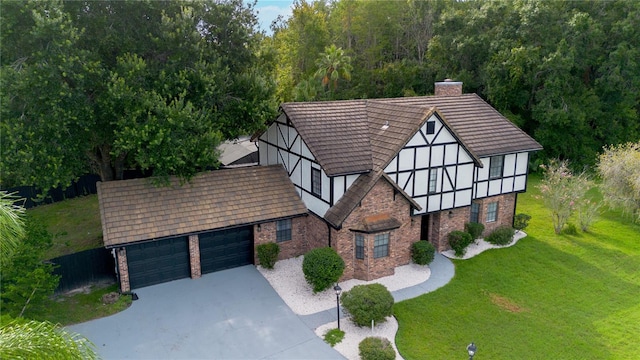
[[74, 223], [549, 297], [82, 306]]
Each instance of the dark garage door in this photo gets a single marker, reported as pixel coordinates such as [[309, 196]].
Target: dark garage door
[[226, 249], [160, 261]]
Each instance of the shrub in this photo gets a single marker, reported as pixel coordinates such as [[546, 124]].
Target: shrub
[[368, 302], [570, 229], [333, 336], [459, 240], [322, 267], [501, 236], [422, 252], [268, 254], [587, 213], [376, 348], [474, 229], [521, 221]]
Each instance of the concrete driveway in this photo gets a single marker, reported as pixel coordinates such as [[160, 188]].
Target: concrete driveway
[[231, 314]]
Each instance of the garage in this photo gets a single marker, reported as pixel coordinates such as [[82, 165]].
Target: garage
[[226, 249], [212, 215], [155, 262]]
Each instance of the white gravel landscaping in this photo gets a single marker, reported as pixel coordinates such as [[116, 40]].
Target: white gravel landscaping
[[288, 281], [353, 335], [480, 245]]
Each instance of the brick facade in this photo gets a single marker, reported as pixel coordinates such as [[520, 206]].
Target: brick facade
[[194, 256], [298, 245], [380, 200], [448, 87], [444, 222], [123, 270]]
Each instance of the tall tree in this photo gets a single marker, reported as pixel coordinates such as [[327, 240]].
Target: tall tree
[[333, 65], [105, 85], [298, 41]]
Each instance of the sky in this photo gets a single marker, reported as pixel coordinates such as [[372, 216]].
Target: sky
[[268, 10]]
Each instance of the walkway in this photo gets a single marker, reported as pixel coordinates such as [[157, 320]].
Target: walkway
[[442, 271]]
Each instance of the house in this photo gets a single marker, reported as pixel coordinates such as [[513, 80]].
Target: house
[[366, 177], [380, 174], [238, 152]]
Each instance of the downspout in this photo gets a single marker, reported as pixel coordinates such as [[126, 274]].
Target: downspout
[[329, 230]]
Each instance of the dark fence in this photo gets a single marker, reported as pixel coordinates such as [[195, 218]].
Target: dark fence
[[85, 185], [84, 268]]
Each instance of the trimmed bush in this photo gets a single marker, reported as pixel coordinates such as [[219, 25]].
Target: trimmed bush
[[422, 252], [368, 302], [376, 348], [459, 240], [268, 254], [474, 229], [333, 336], [521, 221], [501, 236], [322, 267]]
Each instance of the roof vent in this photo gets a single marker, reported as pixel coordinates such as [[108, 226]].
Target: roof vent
[[385, 126]]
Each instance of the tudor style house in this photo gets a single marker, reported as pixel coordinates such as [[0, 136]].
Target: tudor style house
[[366, 177], [378, 175]]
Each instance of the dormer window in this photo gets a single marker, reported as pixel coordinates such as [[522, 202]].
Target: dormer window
[[316, 182]]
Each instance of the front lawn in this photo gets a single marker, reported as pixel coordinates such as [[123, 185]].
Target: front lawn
[[84, 305], [549, 297]]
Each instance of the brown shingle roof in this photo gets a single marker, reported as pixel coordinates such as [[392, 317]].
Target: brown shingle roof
[[480, 127], [336, 133], [135, 210], [347, 136], [377, 223]]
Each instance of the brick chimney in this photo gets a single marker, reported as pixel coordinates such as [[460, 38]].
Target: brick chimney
[[448, 87]]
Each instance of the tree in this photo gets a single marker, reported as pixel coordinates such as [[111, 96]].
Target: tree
[[11, 226], [333, 65], [25, 339], [30, 339], [297, 42], [107, 85], [619, 168], [28, 281], [562, 191]]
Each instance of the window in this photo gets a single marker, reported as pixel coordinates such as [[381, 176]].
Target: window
[[316, 182], [431, 127], [495, 169], [381, 246], [359, 246], [433, 180], [475, 212], [492, 212], [283, 230]]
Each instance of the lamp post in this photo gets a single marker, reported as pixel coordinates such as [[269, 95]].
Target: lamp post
[[471, 349], [338, 290]]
